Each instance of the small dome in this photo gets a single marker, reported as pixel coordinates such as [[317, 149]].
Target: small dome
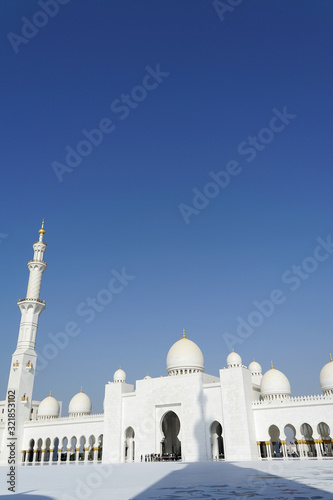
[[326, 378], [48, 408], [255, 368], [147, 377], [274, 384], [119, 376], [80, 404], [184, 357], [234, 360]]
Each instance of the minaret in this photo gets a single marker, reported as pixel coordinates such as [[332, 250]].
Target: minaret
[[31, 306], [23, 367]]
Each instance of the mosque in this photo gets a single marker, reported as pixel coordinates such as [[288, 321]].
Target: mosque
[[240, 414]]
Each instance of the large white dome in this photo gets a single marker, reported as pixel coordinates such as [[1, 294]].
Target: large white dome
[[48, 408], [326, 378], [274, 384], [80, 404], [184, 357]]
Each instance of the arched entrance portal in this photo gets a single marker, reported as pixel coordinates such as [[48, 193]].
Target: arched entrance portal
[[129, 445], [171, 446], [216, 440]]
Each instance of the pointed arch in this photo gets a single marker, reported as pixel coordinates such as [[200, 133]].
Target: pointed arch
[[91, 453], [129, 451], [31, 451], [308, 444], [100, 448], [72, 453], [171, 445], [47, 450], [216, 439], [274, 434], [82, 446], [55, 449], [326, 441], [64, 449]]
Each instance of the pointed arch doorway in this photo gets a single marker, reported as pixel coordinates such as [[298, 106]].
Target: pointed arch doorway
[[216, 441], [171, 445]]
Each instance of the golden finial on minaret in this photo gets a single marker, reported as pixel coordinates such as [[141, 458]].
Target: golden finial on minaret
[[42, 230], [331, 357], [184, 334], [272, 365]]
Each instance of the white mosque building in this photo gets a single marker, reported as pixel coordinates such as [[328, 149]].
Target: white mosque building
[[239, 414]]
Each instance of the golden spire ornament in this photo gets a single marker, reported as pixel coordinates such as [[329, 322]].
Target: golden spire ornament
[[42, 230]]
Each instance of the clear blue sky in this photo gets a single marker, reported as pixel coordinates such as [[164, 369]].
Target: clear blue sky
[[221, 80]]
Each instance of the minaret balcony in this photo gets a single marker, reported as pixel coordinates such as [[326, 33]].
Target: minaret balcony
[[32, 300]]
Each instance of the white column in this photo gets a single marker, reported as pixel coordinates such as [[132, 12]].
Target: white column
[[318, 447], [268, 449], [284, 449], [300, 449], [259, 450], [130, 450]]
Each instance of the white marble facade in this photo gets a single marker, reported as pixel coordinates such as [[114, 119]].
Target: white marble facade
[[189, 415]]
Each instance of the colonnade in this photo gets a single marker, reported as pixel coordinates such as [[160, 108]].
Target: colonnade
[[310, 444], [75, 451]]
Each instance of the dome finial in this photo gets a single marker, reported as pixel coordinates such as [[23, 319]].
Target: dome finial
[[42, 230], [233, 350], [184, 334], [331, 357], [272, 365], [50, 393], [81, 389]]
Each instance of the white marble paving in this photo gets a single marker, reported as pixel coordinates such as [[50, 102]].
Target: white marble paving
[[282, 480]]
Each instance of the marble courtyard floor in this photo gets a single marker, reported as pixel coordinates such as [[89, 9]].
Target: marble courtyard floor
[[266, 480]]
